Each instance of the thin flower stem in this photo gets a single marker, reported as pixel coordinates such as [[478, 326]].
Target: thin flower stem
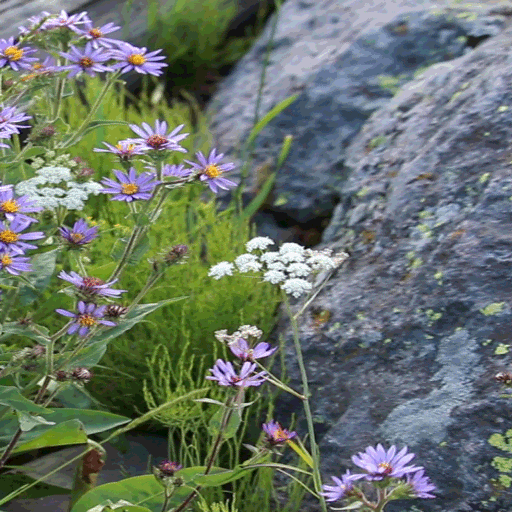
[[274, 380], [313, 297], [317, 479]]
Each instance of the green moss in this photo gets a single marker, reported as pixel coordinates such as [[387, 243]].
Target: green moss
[[416, 262], [361, 193], [501, 349], [503, 108], [376, 142], [484, 178], [390, 82], [493, 309]]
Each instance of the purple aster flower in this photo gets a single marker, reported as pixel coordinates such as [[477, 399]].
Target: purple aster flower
[[380, 463], [225, 375], [80, 234], [91, 285], [277, 434], [86, 59], [342, 488], [46, 66], [88, 316], [12, 240], [131, 186], [241, 349], [97, 34], [67, 21], [34, 22], [12, 208], [9, 117], [177, 171], [421, 485], [15, 56], [210, 171], [133, 58], [124, 150], [168, 468], [157, 138], [14, 263]]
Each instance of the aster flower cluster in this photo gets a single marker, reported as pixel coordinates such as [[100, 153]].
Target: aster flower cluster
[[391, 467], [14, 241], [289, 267]]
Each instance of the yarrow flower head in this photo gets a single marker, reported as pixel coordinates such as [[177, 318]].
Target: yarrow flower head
[[247, 263], [224, 373], [421, 486], [14, 263], [15, 56], [379, 463], [221, 269], [88, 316], [241, 349], [12, 240], [91, 285], [130, 187], [132, 58], [124, 150], [79, 234], [88, 60], [276, 434], [342, 488], [260, 242], [211, 171], [12, 207], [157, 138]]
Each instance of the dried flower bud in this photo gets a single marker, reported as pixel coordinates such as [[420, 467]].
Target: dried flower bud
[[81, 374], [84, 173], [176, 253], [42, 133], [37, 351], [61, 376], [168, 468], [115, 311], [504, 378]]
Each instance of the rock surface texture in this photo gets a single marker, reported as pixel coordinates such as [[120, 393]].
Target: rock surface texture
[[344, 60], [421, 311]]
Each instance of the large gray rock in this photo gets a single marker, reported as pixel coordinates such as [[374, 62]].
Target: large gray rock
[[344, 60], [419, 310]]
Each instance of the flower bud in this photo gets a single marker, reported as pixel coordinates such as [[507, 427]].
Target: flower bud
[[176, 253], [81, 374], [115, 311], [61, 376]]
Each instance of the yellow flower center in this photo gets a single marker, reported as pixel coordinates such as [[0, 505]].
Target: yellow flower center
[[76, 237], [8, 236], [6, 260], [129, 149], [13, 53], [28, 77], [155, 141], [279, 435], [95, 33], [86, 62], [212, 171], [9, 206], [136, 59], [385, 467], [87, 320], [129, 188], [37, 65]]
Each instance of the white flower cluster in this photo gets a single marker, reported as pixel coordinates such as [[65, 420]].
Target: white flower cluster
[[289, 267], [244, 331], [63, 190]]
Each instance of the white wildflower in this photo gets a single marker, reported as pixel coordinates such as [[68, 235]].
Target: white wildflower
[[290, 257], [276, 265], [269, 257], [224, 268], [320, 262], [290, 247], [222, 335], [250, 331], [299, 270], [274, 276], [260, 242], [296, 287], [248, 263]]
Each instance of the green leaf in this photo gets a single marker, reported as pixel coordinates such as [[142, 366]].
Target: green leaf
[[93, 125], [94, 351], [137, 253], [221, 477], [256, 203], [11, 397], [14, 328], [28, 421], [12, 481], [44, 266], [268, 117], [230, 430]]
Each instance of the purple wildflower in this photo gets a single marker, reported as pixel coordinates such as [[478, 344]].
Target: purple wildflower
[[14, 263], [86, 59], [157, 138], [124, 150], [177, 171], [133, 58], [34, 22], [131, 186], [67, 21], [342, 488], [277, 434], [168, 468], [47, 66], [9, 117], [380, 463], [225, 375], [13, 208], [210, 170], [11, 240], [421, 485], [91, 285], [97, 34], [241, 349], [88, 316], [80, 234], [14, 56]]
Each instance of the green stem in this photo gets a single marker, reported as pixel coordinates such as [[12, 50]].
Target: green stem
[[7, 304], [315, 454]]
